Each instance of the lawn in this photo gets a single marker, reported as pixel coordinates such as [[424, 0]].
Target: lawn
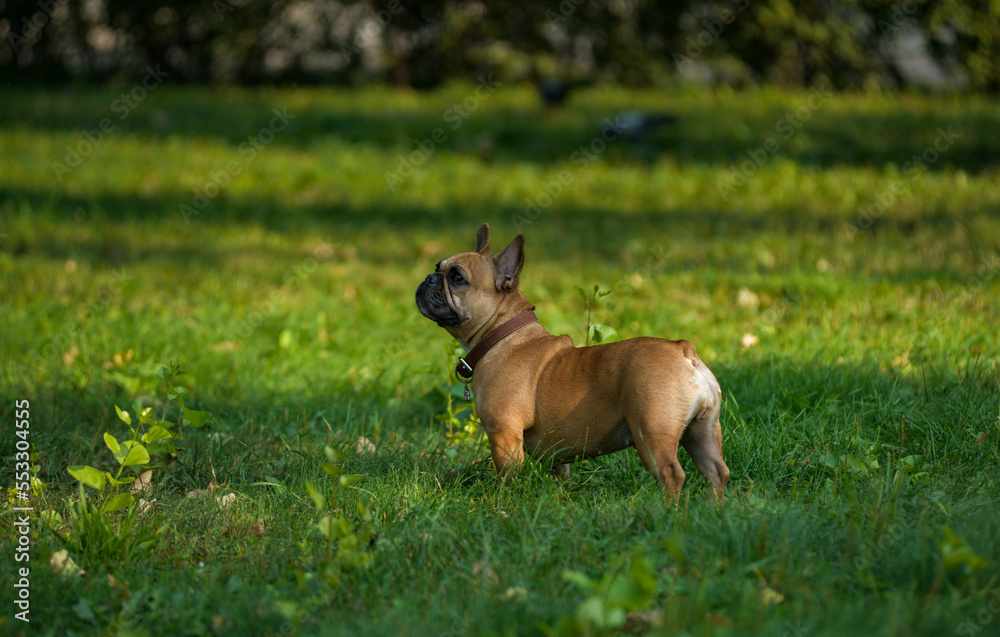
[[834, 258]]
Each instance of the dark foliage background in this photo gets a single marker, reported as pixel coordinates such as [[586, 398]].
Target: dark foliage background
[[424, 43]]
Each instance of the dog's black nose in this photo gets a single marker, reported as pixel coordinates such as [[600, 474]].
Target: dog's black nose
[[433, 279]]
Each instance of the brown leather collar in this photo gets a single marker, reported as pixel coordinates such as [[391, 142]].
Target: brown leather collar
[[467, 364]]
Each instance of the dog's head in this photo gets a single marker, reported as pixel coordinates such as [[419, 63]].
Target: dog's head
[[465, 291]]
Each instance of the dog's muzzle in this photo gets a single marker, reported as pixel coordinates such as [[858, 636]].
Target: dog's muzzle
[[432, 302]]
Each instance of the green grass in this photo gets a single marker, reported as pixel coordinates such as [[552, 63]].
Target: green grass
[[863, 423]]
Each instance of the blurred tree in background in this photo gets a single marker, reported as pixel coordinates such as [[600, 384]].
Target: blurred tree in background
[[423, 43]]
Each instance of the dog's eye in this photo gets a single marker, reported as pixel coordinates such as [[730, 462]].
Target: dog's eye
[[455, 277]]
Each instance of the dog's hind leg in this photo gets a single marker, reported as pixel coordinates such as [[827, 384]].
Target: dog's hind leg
[[702, 439], [678, 410], [657, 448], [703, 442]]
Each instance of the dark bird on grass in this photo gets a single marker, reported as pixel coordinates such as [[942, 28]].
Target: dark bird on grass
[[636, 125], [553, 92]]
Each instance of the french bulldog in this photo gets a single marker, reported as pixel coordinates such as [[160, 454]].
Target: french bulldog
[[540, 394]]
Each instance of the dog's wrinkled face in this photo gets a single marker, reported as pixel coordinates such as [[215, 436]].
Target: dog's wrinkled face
[[447, 296], [466, 290]]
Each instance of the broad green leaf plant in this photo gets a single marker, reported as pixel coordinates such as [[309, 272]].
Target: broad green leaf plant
[[148, 445]]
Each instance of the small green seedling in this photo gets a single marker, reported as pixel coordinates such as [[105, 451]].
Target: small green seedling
[[596, 332], [347, 545]]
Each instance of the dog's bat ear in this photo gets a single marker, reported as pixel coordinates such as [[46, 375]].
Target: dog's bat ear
[[509, 264], [483, 240]]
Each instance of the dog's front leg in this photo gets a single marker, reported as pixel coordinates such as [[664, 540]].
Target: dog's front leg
[[507, 449]]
